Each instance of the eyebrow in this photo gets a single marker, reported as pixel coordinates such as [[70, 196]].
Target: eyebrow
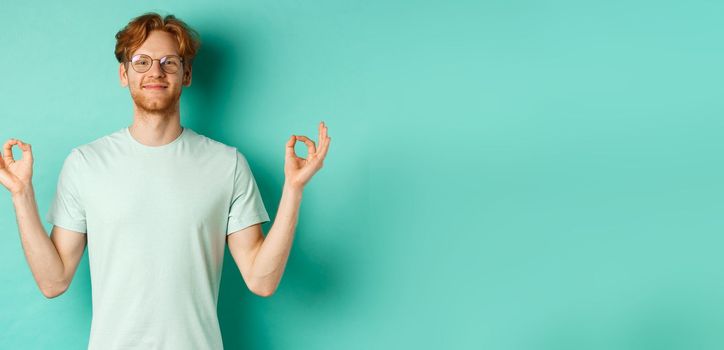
[[147, 54]]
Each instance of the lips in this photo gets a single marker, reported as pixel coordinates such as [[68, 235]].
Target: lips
[[155, 86]]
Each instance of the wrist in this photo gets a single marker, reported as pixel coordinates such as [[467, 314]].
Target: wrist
[[23, 193], [290, 187]]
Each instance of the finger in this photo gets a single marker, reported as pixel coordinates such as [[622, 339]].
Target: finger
[[290, 146], [8, 151], [323, 141], [325, 138], [27, 151], [323, 150], [311, 148], [322, 134]]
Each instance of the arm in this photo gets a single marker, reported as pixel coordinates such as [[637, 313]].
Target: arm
[[53, 260], [262, 260]]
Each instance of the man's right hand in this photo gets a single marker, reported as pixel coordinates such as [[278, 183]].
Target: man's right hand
[[16, 175]]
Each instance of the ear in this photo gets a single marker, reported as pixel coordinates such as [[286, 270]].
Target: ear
[[123, 74], [187, 77]]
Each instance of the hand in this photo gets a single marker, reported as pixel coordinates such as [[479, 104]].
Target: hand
[[298, 171], [16, 175]]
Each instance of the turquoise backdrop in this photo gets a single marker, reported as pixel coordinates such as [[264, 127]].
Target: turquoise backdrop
[[502, 174]]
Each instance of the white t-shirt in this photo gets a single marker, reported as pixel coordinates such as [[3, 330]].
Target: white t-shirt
[[156, 220]]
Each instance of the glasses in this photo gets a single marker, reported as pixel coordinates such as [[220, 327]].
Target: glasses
[[169, 63]]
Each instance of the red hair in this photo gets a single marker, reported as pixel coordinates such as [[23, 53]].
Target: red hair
[[132, 36]]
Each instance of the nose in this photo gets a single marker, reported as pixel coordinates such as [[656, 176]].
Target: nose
[[156, 70]]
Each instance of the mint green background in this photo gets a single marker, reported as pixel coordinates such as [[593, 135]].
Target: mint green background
[[502, 175]]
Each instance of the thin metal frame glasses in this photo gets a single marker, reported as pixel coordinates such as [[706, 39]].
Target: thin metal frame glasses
[[142, 63]]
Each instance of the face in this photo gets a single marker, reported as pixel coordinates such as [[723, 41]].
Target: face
[[146, 98]]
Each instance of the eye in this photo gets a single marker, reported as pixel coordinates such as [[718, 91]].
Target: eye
[[170, 61], [140, 61]]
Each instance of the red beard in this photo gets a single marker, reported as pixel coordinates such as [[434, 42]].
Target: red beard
[[155, 102]]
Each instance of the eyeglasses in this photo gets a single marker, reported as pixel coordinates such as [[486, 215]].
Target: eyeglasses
[[142, 63]]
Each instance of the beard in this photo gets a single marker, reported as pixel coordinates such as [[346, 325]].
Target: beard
[[154, 102]]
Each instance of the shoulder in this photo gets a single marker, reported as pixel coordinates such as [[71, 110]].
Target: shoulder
[[97, 147], [210, 147]]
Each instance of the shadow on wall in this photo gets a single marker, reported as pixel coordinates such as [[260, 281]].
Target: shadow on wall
[[222, 80], [213, 88]]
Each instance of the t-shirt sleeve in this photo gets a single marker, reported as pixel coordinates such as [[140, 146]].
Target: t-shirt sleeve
[[67, 209], [247, 207]]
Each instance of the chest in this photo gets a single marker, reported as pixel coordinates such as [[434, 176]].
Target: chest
[[175, 193]]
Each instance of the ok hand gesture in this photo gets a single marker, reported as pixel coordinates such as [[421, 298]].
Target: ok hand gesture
[[15, 175], [298, 171]]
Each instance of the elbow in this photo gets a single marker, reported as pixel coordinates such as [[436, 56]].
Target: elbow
[[52, 294], [53, 291], [263, 292]]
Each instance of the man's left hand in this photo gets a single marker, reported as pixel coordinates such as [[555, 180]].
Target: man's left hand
[[298, 171]]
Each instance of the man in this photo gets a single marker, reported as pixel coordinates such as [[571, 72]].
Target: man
[[156, 204]]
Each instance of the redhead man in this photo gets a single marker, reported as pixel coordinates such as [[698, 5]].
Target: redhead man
[[156, 203]]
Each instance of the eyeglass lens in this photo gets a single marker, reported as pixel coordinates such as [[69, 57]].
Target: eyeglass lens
[[142, 63]]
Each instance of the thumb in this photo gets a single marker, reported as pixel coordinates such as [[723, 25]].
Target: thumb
[[290, 146], [27, 151]]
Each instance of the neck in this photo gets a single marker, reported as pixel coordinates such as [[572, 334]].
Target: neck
[[155, 128]]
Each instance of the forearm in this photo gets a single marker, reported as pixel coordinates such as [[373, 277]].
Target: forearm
[[40, 252], [271, 258]]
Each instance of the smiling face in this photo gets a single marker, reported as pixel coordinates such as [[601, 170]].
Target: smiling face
[[156, 91]]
